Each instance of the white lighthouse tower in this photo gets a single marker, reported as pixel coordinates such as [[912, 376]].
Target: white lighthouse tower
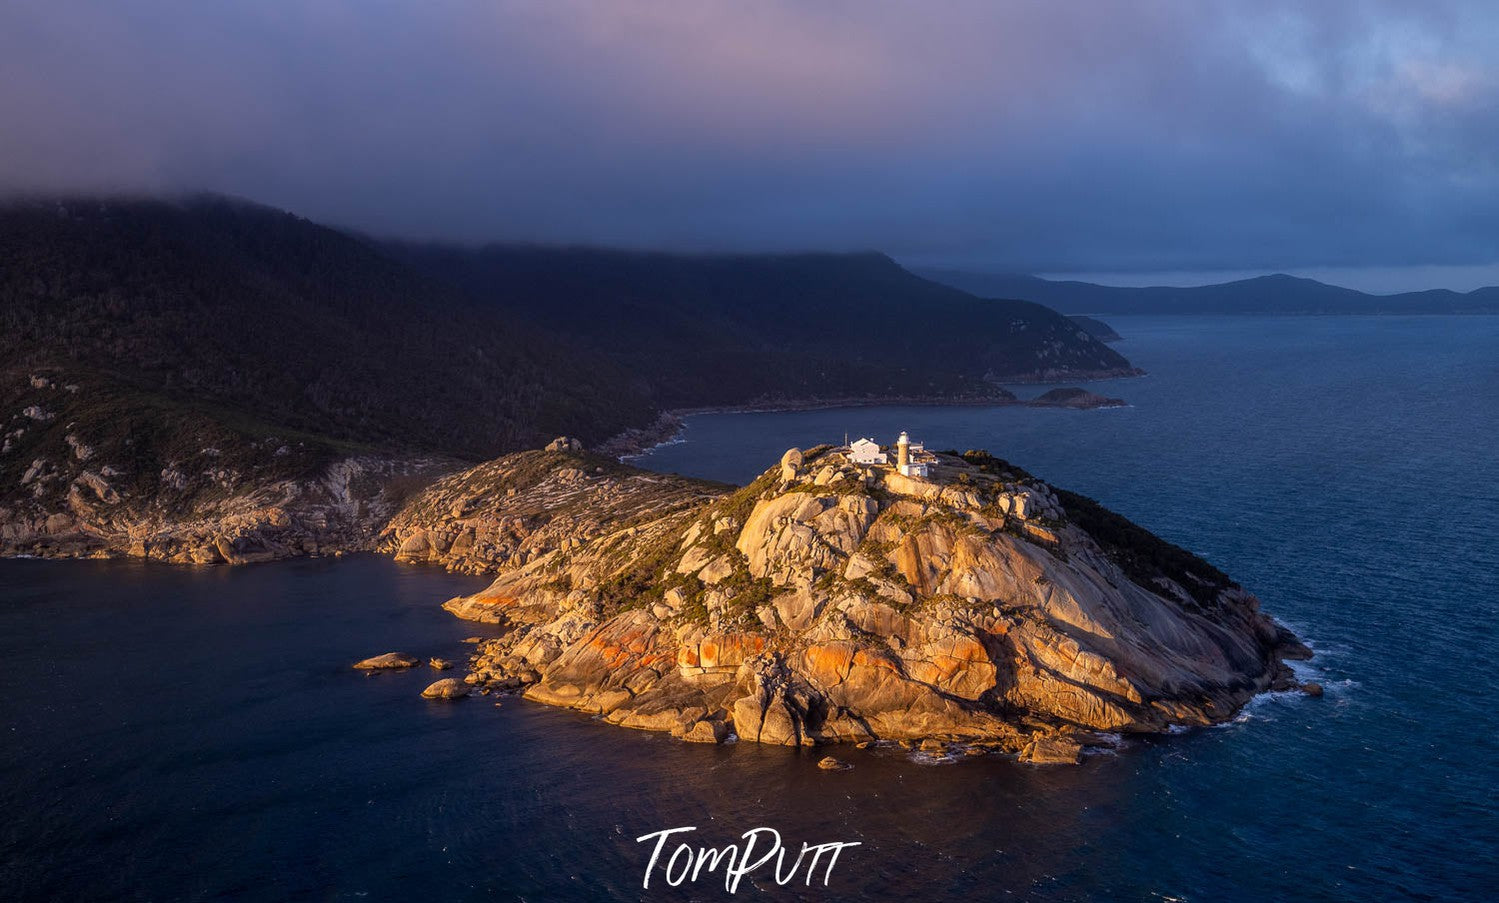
[[905, 463]]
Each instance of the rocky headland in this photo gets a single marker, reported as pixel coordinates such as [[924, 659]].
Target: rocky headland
[[91, 472], [830, 602], [546, 504], [338, 511]]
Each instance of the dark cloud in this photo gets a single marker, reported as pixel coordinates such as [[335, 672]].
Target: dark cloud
[[1055, 137]]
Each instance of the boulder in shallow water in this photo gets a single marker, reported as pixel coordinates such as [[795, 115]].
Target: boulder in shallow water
[[828, 763], [1312, 688], [447, 688], [387, 661], [707, 732], [1053, 751], [439, 664]]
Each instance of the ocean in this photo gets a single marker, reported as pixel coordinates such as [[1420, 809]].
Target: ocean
[[187, 734]]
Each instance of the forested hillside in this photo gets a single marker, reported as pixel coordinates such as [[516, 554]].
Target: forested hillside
[[715, 329]]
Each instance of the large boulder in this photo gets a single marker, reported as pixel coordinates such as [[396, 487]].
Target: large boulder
[[1053, 751], [791, 464], [795, 537], [447, 688], [388, 661]]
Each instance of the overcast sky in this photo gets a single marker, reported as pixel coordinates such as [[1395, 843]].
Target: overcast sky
[[1129, 138]]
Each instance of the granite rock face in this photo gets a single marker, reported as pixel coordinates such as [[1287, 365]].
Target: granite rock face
[[77, 512], [86, 472], [832, 602], [500, 516]]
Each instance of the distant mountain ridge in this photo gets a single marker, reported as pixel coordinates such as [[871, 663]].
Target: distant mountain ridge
[[1275, 294]]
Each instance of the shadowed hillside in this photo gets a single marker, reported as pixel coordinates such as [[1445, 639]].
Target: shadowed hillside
[[211, 302], [716, 329]]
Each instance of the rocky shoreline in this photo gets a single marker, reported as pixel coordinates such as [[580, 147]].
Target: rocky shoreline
[[170, 486], [668, 427], [194, 492], [338, 512]]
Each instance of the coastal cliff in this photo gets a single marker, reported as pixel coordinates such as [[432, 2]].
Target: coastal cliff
[[830, 601]]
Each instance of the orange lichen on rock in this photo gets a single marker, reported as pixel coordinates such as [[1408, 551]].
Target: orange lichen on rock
[[829, 664], [963, 607]]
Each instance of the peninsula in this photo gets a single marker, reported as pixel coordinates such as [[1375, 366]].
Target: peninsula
[[849, 594]]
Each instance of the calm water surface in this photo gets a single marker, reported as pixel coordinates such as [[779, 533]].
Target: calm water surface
[[197, 734]]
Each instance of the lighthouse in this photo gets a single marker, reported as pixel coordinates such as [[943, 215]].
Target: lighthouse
[[912, 460]]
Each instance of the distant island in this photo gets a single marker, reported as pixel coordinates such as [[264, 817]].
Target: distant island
[[950, 602], [1276, 294], [1078, 399]]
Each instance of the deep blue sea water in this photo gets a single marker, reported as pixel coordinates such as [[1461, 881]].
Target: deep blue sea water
[[172, 733]]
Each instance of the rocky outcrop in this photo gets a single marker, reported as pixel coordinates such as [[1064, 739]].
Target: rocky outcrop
[[98, 513], [831, 602], [387, 661], [85, 472], [1052, 751], [520, 509]]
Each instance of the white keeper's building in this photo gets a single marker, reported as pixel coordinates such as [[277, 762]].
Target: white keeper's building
[[867, 451]]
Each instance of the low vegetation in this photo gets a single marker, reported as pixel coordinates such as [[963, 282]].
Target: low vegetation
[[1142, 555]]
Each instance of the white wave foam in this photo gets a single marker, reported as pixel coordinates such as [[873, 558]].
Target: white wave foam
[[924, 758], [646, 452]]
